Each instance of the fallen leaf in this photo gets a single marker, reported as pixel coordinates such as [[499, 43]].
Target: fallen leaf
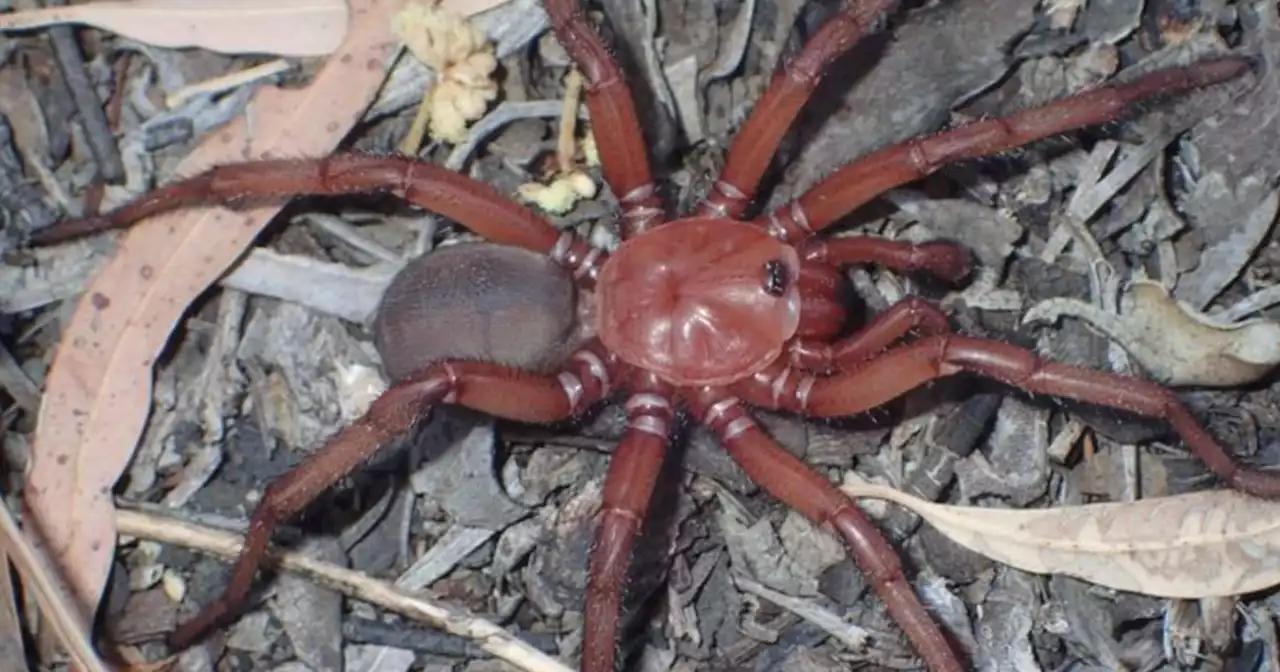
[[1242, 223], [98, 392], [284, 27], [46, 586], [1175, 343], [471, 7], [1214, 543], [757, 551]]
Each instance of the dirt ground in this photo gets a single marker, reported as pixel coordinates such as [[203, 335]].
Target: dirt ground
[[1145, 246]]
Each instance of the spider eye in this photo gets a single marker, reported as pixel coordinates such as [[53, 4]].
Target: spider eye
[[776, 277]]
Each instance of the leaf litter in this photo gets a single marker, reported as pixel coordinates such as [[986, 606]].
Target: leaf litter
[[96, 398], [504, 525], [314, 27], [1175, 343], [1216, 543]]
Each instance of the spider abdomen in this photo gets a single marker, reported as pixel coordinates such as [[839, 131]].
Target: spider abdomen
[[477, 301], [699, 301]]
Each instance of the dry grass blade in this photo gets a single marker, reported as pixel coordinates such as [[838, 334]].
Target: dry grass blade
[[98, 392], [1215, 543], [849, 634], [489, 636], [284, 27], [56, 603]]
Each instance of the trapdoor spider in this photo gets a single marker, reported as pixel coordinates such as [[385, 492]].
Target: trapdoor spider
[[711, 312]]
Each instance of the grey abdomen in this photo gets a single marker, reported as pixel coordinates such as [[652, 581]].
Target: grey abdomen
[[476, 301]]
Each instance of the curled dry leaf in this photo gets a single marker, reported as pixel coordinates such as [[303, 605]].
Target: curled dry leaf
[[1177, 344], [1214, 543], [98, 392], [284, 27]]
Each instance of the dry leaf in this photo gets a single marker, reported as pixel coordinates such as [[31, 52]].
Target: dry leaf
[[1213, 543], [284, 27], [57, 605], [1177, 344], [471, 7], [98, 393]]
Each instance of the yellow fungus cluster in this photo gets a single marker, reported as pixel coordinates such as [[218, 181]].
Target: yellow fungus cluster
[[464, 61], [560, 196], [570, 184]]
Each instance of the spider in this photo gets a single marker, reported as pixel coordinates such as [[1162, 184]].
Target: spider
[[712, 312]]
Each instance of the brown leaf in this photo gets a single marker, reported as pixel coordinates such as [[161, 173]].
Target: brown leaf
[[1176, 343], [43, 582], [470, 7], [284, 27], [98, 393], [1214, 543]]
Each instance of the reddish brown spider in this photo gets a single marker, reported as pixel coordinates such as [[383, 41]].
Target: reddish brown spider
[[708, 311]]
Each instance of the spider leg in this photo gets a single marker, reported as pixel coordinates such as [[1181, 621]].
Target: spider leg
[[859, 182], [798, 486], [902, 369], [758, 139], [882, 331], [946, 260], [477, 206], [823, 312], [623, 153], [492, 388], [628, 491]]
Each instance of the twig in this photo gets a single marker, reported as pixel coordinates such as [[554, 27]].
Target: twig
[[365, 631], [846, 633], [344, 230], [493, 639], [17, 383], [500, 116], [226, 82], [93, 116]]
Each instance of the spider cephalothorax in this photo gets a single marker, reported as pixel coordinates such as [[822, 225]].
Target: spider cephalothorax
[[710, 312], [701, 301]]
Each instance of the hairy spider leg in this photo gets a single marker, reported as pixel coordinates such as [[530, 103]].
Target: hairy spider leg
[[477, 206], [900, 370], [857, 183], [623, 153], [797, 485], [494, 389], [628, 493], [883, 330], [943, 259], [757, 142]]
